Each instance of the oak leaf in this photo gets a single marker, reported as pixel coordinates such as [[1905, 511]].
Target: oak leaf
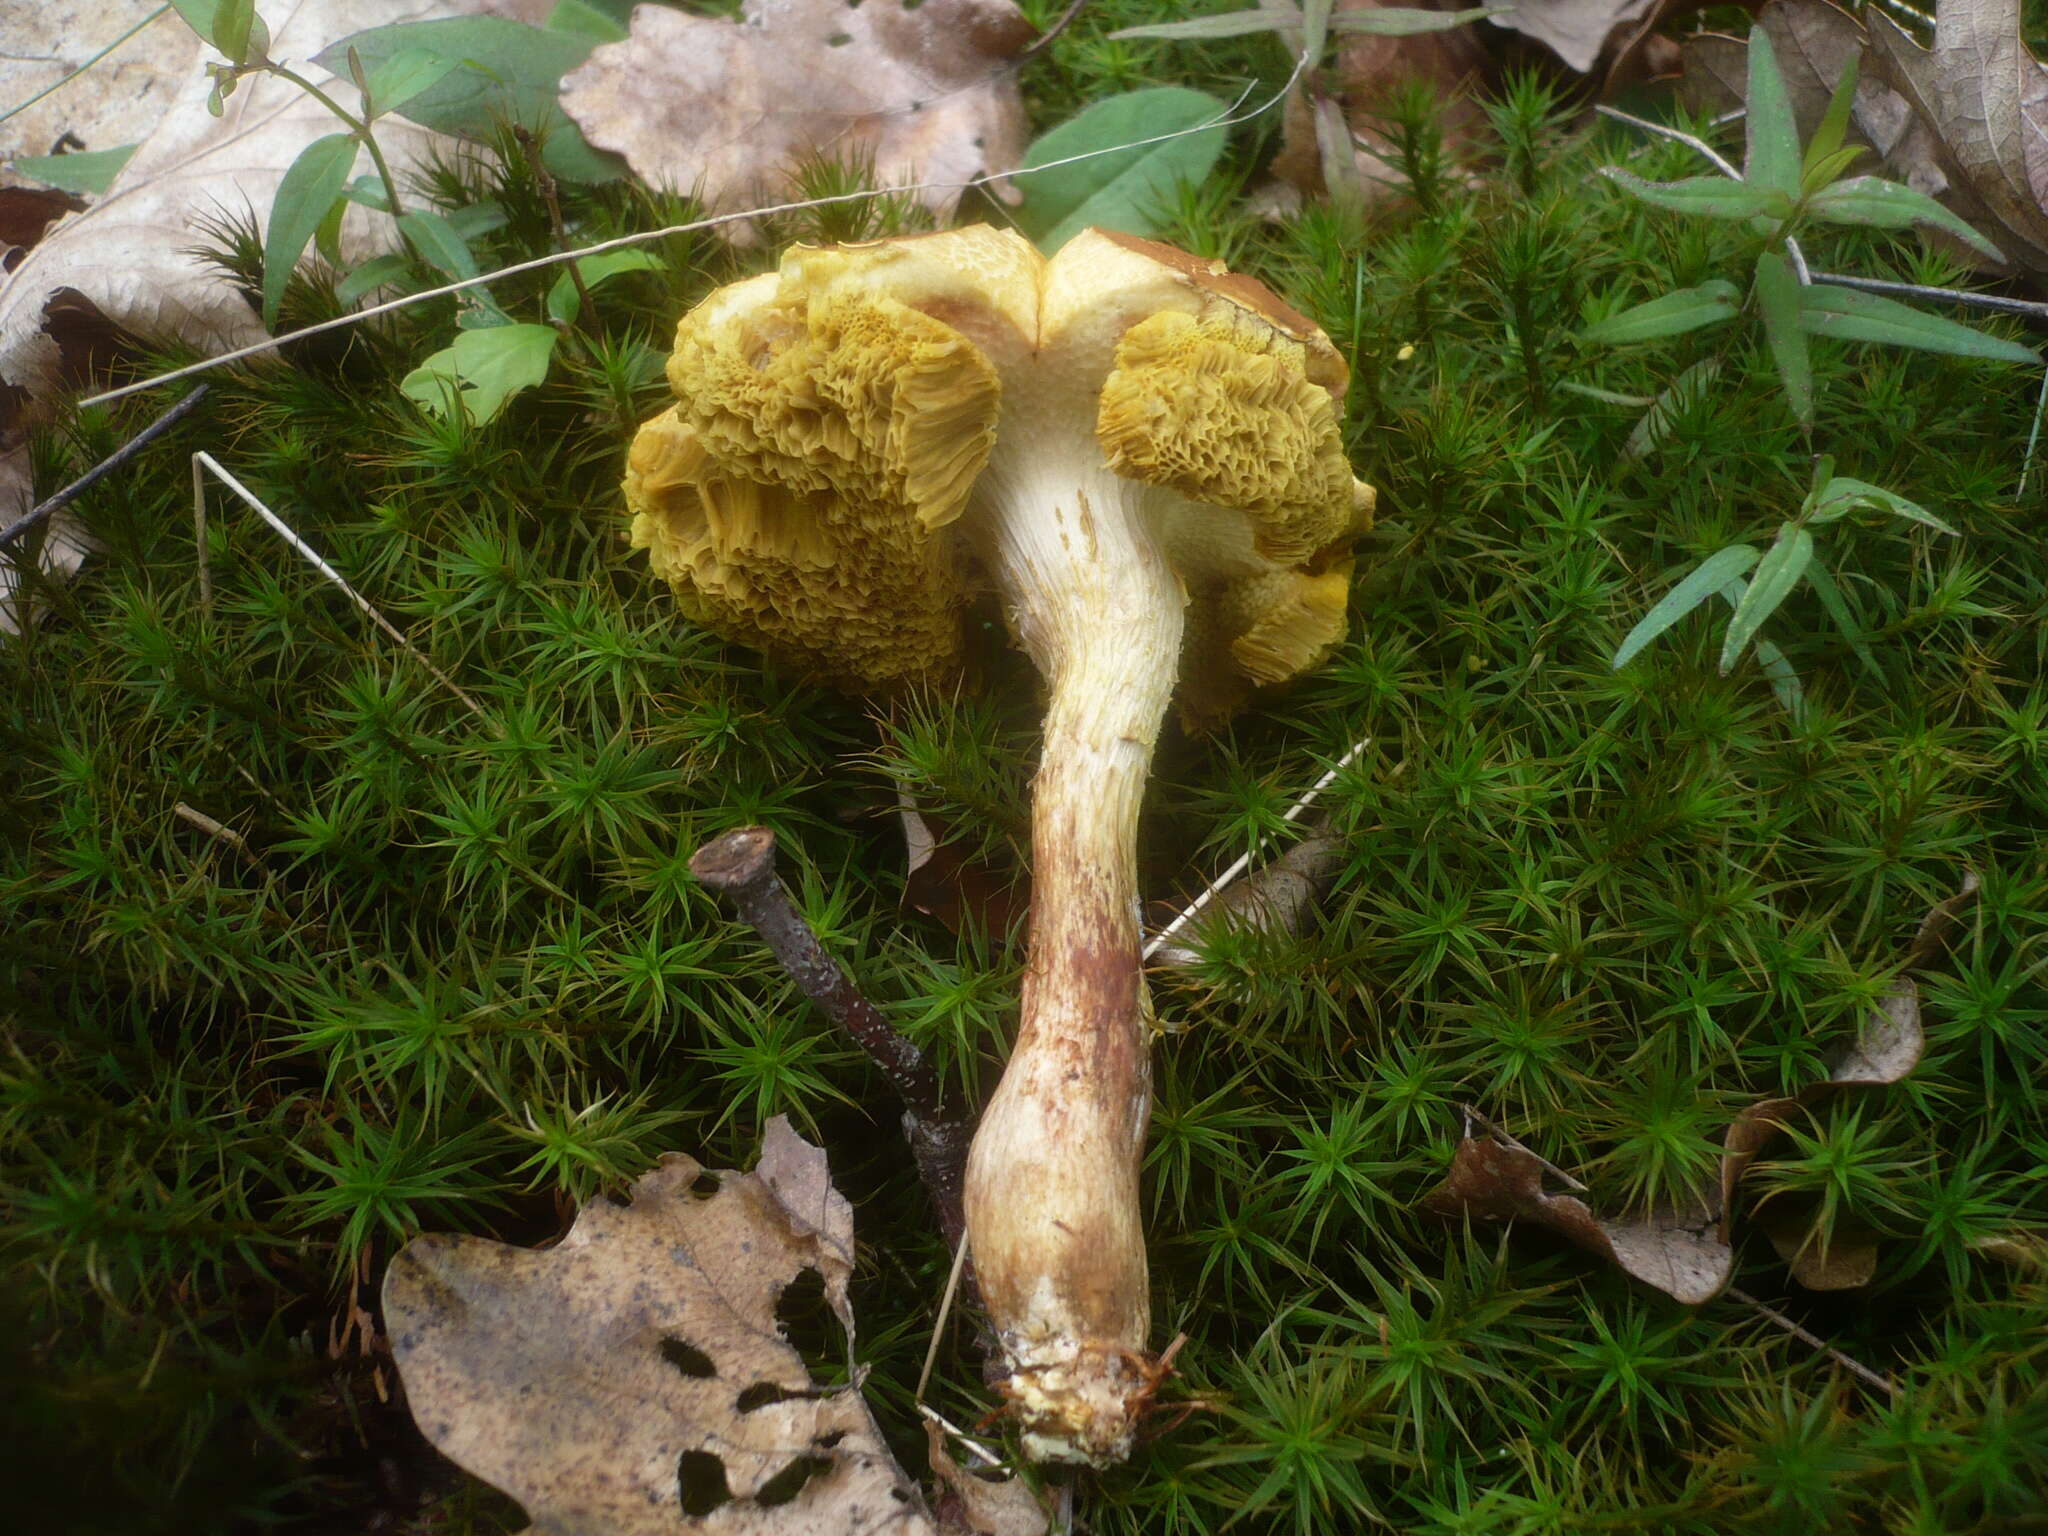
[[634, 1379], [731, 110]]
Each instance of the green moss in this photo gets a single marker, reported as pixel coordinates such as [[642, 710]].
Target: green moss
[[455, 970]]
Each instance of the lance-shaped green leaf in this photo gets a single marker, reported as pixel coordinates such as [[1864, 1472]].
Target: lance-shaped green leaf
[[1842, 495], [1826, 310], [1777, 296], [1780, 570], [1836, 607], [88, 172], [1689, 309], [1289, 22], [1833, 127], [1772, 161], [1701, 583], [1885, 204], [1710, 197], [311, 185]]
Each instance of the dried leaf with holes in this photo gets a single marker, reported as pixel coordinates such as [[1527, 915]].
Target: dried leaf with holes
[[634, 1378], [730, 110]]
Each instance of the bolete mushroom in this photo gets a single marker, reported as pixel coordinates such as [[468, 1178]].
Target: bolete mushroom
[[1141, 454]]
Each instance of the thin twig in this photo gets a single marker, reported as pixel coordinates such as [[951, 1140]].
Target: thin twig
[[78, 73], [931, 1353], [1051, 34], [1216, 887], [740, 865], [1229, 119], [104, 468], [980, 1452], [1855, 1368], [2033, 437], [291, 537]]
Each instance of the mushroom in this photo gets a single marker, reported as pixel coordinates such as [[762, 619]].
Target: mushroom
[[1141, 454]]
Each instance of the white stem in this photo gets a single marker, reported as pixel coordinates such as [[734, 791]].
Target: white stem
[[1052, 1181]]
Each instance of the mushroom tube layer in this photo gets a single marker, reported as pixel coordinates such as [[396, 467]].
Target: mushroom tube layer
[[1140, 454]]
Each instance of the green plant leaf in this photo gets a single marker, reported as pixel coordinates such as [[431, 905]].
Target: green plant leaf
[[563, 299], [1402, 21], [311, 185], [404, 75], [1777, 573], [1265, 18], [1837, 609], [1844, 313], [372, 274], [368, 192], [88, 173], [1821, 173], [508, 73], [435, 238], [1315, 28], [1772, 159], [1673, 314], [1780, 674], [586, 20], [1842, 495], [482, 371], [1607, 396], [1122, 188], [1701, 583], [1681, 394], [1710, 197], [1777, 294], [1834, 122], [1871, 200]]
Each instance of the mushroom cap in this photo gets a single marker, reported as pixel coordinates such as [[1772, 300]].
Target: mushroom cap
[[824, 435], [833, 418]]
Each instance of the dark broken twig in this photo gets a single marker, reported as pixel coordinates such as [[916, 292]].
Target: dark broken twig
[[113, 461], [740, 865]]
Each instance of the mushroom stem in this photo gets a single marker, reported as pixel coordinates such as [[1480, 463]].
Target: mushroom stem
[[1052, 1180]]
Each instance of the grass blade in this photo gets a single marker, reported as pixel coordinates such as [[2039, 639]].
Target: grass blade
[[1836, 606], [1825, 310], [1777, 296], [1881, 204], [1783, 564], [1687, 309], [1706, 578], [1772, 161]]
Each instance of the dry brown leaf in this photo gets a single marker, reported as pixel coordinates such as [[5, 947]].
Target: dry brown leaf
[[973, 1504], [1579, 31], [2020, 1248], [1844, 1259], [1277, 898], [1369, 68], [728, 110], [634, 1380], [943, 880], [1985, 97], [123, 95], [1495, 1178]]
